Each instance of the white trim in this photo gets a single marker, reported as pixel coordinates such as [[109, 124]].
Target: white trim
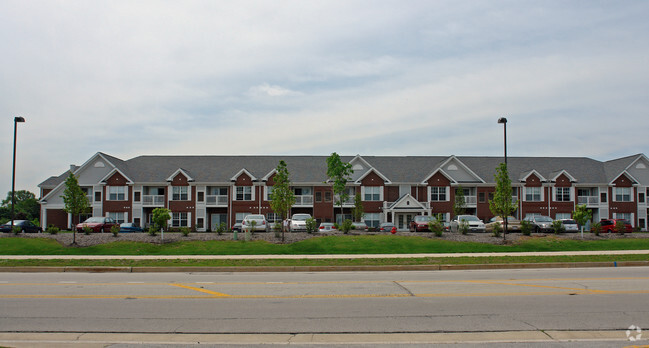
[[634, 180], [440, 170], [563, 171], [243, 170], [367, 172], [538, 175], [115, 170], [180, 171]]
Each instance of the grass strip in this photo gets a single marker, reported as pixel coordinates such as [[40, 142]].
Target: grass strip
[[364, 244]]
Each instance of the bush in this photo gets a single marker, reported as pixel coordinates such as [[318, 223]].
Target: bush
[[436, 227], [557, 226], [526, 228], [51, 229], [619, 227], [87, 230], [347, 225], [596, 228], [15, 230], [497, 229], [464, 227], [310, 225], [220, 228], [115, 230], [152, 230], [185, 231]]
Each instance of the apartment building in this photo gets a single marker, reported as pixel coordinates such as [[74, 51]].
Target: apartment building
[[204, 191]]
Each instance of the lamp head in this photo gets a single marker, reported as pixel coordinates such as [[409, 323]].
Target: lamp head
[[502, 120], [19, 119]]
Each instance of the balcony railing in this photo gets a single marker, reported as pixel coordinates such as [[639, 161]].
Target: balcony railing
[[304, 200], [216, 200], [588, 200], [471, 200], [348, 201], [153, 200]]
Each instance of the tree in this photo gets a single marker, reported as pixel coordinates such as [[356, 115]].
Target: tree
[[75, 201], [282, 197], [459, 206], [160, 217], [502, 204], [339, 173], [358, 212], [27, 206], [582, 216]]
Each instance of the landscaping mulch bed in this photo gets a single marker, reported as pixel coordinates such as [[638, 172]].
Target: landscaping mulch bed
[[292, 237]]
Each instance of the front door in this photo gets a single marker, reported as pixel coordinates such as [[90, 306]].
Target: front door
[[403, 221], [216, 220]]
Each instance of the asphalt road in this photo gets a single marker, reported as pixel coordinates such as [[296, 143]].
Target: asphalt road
[[542, 302]]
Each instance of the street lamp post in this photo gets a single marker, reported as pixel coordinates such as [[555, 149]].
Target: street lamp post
[[504, 123], [13, 174]]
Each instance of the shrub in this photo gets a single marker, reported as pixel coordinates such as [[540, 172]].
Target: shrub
[[596, 228], [185, 231], [464, 227], [51, 229], [87, 230], [222, 227], [310, 225], [152, 230], [115, 230], [436, 227], [497, 229], [619, 227], [15, 230], [526, 227], [557, 226], [347, 225]]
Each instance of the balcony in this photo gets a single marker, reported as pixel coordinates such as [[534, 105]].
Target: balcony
[[471, 201], [588, 200], [216, 200], [348, 202], [304, 200], [153, 200]]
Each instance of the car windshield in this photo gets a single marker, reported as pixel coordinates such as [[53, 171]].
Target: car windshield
[[94, 220], [422, 218], [543, 219], [468, 218], [301, 217], [255, 217]]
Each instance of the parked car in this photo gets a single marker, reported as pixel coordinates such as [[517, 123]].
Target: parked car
[[260, 223], [327, 227], [97, 224], [570, 225], [420, 223], [513, 224], [298, 222], [608, 225], [475, 224], [128, 227], [359, 226], [386, 227], [540, 223], [25, 226], [236, 227]]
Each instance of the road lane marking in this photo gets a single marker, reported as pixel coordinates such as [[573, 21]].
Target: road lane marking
[[218, 294], [540, 286]]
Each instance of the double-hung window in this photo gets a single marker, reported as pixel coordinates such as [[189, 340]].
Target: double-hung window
[[533, 194], [118, 217], [372, 193], [244, 193], [622, 194], [437, 194], [562, 194], [372, 219], [116, 193], [179, 219], [179, 193]]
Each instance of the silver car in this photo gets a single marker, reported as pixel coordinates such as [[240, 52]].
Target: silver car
[[298, 222], [474, 224], [570, 225], [540, 223], [260, 223]]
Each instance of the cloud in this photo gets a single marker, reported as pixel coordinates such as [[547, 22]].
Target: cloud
[[265, 89]]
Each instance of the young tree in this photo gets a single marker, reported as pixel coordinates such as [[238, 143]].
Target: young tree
[[358, 211], [459, 206], [282, 197], [582, 216], [75, 201], [339, 173], [502, 204], [160, 217]]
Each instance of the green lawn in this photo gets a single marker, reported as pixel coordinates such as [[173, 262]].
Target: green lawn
[[368, 244]]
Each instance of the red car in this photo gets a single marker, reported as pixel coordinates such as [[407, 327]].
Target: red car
[[97, 223], [420, 223], [608, 225]]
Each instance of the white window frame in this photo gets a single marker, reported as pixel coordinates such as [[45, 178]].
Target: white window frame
[[178, 192], [558, 197], [119, 217], [372, 219], [238, 217], [446, 193], [533, 194], [559, 216], [244, 193], [625, 192], [178, 218], [374, 193], [117, 193]]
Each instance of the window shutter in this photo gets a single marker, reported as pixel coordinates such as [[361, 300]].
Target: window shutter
[[448, 193]]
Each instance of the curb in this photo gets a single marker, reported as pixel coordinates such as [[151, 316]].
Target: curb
[[104, 269]]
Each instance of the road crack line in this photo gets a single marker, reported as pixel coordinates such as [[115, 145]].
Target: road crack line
[[404, 288]]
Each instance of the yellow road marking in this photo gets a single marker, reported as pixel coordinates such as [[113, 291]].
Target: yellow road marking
[[218, 294], [541, 286]]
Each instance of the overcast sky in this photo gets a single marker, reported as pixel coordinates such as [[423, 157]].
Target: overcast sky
[[312, 77]]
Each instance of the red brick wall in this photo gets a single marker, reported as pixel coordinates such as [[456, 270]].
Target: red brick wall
[[323, 210], [117, 206], [623, 207], [184, 206]]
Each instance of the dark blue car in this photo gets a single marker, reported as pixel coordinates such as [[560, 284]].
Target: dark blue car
[[129, 227], [25, 226]]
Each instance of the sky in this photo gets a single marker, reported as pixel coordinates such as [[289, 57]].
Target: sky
[[399, 78]]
